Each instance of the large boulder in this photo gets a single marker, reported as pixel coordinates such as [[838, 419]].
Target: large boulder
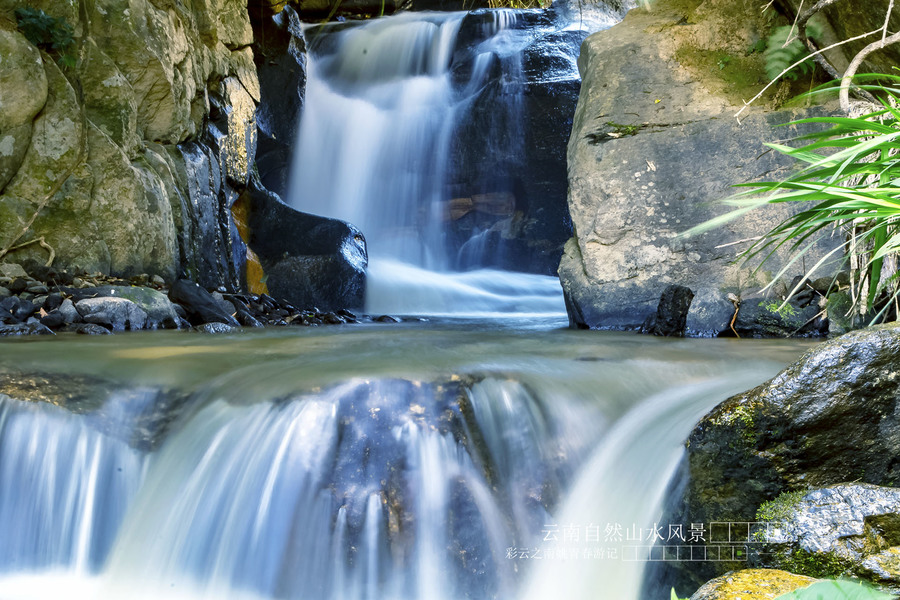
[[831, 417], [654, 144], [310, 261], [751, 584]]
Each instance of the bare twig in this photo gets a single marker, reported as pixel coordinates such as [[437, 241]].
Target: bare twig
[[43, 243], [771, 83], [855, 64], [887, 18]]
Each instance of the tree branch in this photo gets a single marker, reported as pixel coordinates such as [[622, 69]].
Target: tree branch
[[857, 61]]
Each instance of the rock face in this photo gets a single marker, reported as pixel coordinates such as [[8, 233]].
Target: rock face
[[98, 169], [832, 417], [844, 529], [654, 143]]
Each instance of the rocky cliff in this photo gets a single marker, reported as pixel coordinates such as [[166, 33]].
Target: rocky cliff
[[654, 144]]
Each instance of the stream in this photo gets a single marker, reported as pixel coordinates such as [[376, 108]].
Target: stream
[[424, 460]]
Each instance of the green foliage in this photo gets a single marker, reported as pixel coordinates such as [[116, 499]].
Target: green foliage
[[53, 35], [674, 596], [850, 179], [781, 53], [835, 590]]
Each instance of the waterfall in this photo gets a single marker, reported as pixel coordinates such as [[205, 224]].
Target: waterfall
[[429, 467], [390, 105]]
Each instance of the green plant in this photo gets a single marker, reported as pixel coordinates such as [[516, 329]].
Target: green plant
[[837, 589], [851, 181], [674, 596], [53, 35], [783, 49]]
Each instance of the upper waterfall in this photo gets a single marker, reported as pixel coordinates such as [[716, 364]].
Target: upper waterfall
[[415, 129]]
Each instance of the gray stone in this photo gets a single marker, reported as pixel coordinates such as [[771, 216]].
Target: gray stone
[[216, 328], [643, 170], [18, 329], [91, 329], [116, 313], [12, 271], [69, 312], [851, 526], [160, 310]]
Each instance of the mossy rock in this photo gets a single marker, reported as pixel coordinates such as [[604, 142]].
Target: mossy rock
[[752, 584]]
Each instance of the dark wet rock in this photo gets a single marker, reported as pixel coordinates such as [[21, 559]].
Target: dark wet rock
[[310, 260], [280, 56], [18, 307], [831, 417], [242, 313], [52, 302], [91, 329], [39, 288], [386, 319], [200, 305], [215, 328], [18, 285], [160, 310], [53, 319], [118, 314], [840, 530], [671, 313], [767, 318], [17, 329]]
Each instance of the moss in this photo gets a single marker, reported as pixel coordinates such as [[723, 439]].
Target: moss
[[813, 564], [734, 76], [781, 508], [742, 418], [778, 308]]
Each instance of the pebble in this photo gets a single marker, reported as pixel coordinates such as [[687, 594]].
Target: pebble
[[18, 285], [92, 329], [4, 292]]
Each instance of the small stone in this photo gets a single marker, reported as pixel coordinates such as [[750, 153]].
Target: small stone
[[332, 319], [78, 282], [18, 285], [52, 302], [53, 319], [4, 292], [69, 312], [38, 289], [92, 329], [386, 319], [12, 270], [157, 281], [215, 328], [117, 313]]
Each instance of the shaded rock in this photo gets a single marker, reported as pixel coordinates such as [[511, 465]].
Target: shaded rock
[[671, 313], [10, 330], [199, 304], [53, 319], [765, 318], [644, 170], [18, 285], [19, 308], [117, 313], [52, 302], [831, 417], [310, 260], [4, 292], [91, 329], [751, 584], [160, 311]]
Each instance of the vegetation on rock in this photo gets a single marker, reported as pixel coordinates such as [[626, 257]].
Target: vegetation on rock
[[53, 35]]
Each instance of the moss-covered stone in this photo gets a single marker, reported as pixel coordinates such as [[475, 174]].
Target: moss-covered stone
[[752, 584]]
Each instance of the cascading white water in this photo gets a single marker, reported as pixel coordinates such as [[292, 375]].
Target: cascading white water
[[419, 471], [382, 107]]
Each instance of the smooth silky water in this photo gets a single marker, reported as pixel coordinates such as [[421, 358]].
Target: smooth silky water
[[424, 460]]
